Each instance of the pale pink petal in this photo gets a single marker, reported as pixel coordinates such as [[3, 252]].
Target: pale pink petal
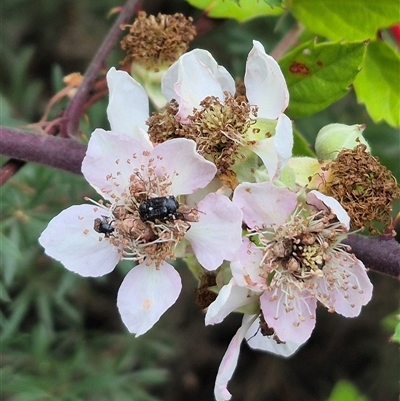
[[265, 83], [128, 105], [217, 235], [187, 170], [246, 267], [110, 160], [292, 317], [145, 294], [256, 340], [230, 297], [264, 204], [228, 364], [71, 239], [324, 202], [351, 287], [192, 78]]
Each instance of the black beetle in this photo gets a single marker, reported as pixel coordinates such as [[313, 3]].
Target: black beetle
[[161, 208], [103, 225]]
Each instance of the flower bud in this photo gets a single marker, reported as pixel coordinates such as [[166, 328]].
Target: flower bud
[[332, 138]]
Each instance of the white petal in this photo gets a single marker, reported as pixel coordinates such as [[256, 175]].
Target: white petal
[[230, 297], [324, 202], [217, 236], [110, 160], [256, 340], [264, 204], [145, 294], [187, 170], [283, 141], [228, 363], [265, 83], [128, 105], [71, 239], [192, 78], [246, 267]]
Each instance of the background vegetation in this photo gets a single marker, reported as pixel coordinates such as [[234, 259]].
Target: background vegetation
[[62, 338]]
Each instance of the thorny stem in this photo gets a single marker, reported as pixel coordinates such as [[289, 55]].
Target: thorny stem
[[65, 154], [74, 109]]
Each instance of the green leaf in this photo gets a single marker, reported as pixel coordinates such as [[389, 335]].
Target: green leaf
[[241, 10], [345, 391], [319, 74], [350, 19], [301, 147], [378, 83]]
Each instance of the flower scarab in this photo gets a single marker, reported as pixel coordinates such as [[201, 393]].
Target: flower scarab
[[103, 226], [160, 208]]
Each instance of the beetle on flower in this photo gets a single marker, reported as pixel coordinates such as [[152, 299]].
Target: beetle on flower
[[128, 171]]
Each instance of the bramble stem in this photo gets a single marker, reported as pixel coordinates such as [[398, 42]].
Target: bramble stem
[[65, 154], [73, 111]]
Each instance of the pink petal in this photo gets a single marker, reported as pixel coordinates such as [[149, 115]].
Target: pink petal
[[228, 364], [292, 317], [128, 105], [351, 287], [256, 340], [110, 160], [217, 235], [192, 78], [230, 297], [324, 202], [145, 294], [265, 83], [246, 267], [187, 170], [71, 239], [264, 204]]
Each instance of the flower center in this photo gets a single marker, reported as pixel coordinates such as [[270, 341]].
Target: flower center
[[217, 128], [299, 250], [148, 223]]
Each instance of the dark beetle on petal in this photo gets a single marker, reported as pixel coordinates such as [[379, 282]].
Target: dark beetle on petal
[[103, 225], [161, 208]]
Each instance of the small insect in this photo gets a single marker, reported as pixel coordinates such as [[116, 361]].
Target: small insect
[[104, 225], [161, 208]]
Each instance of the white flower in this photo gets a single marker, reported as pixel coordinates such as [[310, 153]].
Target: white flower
[[291, 258], [145, 216], [205, 92]]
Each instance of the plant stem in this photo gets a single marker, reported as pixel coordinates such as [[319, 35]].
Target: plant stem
[[74, 110], [65, 154]]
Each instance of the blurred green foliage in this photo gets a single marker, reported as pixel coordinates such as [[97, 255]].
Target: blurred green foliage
[[61, 335]]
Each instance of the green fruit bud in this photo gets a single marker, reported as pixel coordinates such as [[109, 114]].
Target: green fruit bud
[[332, 138]]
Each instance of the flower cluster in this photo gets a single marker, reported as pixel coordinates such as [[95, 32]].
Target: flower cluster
[[206, 176]]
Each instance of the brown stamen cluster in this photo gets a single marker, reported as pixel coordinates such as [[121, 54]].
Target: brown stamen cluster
[[161, 40], [217, 128], [364, 187], [142, 239], [300, 246]]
